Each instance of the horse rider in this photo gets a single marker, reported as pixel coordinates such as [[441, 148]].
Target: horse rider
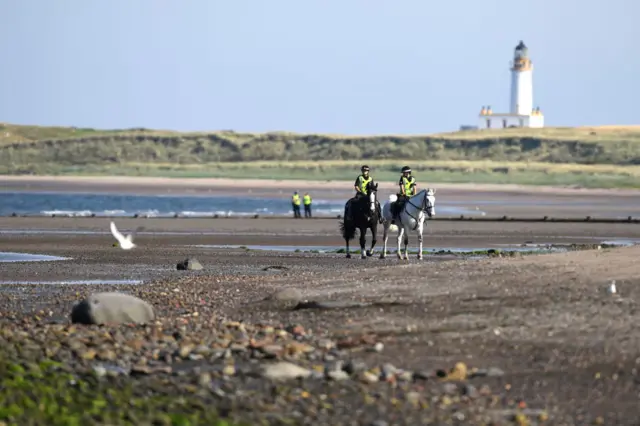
[[361, 186], [362, 181], [408, 188]]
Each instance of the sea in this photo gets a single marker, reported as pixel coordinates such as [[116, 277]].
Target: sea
[[114, 205]]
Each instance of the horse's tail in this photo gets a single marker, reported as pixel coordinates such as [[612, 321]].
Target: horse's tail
[[348, 229]]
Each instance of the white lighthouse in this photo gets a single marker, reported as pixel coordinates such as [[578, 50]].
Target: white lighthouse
[[521, 81], [522, 113]]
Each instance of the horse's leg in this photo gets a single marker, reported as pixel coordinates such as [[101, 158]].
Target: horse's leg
[[406, 244], [385, 236], [348, 253], [400, 232], [374, 234], [420, 229], [363, 242]]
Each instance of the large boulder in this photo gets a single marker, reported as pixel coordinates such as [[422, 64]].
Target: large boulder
[[112, 308]]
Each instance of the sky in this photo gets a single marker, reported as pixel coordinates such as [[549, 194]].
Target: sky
[[324, 66]]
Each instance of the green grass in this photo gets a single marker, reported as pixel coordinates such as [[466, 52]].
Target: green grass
[[44, 394], [589, 157], [588, 176]]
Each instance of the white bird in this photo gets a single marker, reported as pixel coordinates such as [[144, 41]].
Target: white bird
[[125, 243], [612, 288]]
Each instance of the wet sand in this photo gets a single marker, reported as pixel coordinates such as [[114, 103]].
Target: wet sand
[[58, 234], [564, 345]]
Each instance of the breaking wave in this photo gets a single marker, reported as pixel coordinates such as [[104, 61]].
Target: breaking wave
[[114, 205]]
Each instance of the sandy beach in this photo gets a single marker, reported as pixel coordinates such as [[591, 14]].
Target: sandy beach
[[377, 339], [538, 335]]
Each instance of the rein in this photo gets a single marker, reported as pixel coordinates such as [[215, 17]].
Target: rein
[[365, 210], [422, 209]]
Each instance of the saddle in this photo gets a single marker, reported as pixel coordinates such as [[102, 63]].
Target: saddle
[[397, 206]]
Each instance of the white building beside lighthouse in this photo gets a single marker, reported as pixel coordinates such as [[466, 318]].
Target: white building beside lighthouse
[[521, 113]]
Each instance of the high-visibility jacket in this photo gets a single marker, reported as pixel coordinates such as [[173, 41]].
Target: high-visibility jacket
[[408, 183], [363, 182]]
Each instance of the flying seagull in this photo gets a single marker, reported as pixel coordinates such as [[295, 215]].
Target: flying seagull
[[125, 243]]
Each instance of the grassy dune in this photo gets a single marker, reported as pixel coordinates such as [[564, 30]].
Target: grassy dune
[[607, 156]]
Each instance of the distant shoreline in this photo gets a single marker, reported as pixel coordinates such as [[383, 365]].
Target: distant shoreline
[[518, 160], [189, 186]]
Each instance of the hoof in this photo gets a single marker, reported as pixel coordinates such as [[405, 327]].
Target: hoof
[[363, 256], [382, 256], [369, 253], [348, 256], [420, 257]]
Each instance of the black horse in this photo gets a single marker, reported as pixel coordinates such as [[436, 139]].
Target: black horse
[[362, 213]]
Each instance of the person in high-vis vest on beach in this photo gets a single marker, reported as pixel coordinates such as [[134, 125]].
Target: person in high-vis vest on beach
[[295, 203], [306, 200]]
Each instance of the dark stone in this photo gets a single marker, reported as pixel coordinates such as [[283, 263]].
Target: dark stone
[[189, 264]]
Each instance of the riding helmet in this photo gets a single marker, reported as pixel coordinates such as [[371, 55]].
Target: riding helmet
[[364, 168], [406, 169]]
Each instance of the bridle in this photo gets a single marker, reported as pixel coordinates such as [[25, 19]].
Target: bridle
[[424, 208], [368, 211], [372, 203]]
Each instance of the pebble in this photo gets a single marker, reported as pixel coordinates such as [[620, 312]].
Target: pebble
[[326, 344], [413, 397], [450, 388], [421, 375], [229, 370], [100, 371], [354, 366], [337, 375], [185, 351], [284, 371], [204, 379], [488, 372], [471, 391], [213, 358], [368, 377], [405, 376]]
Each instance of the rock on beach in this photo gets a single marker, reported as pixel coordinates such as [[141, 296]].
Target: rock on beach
[[189, 264], [112, 308]]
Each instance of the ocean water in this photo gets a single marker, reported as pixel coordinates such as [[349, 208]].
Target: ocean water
[[76, 204]]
